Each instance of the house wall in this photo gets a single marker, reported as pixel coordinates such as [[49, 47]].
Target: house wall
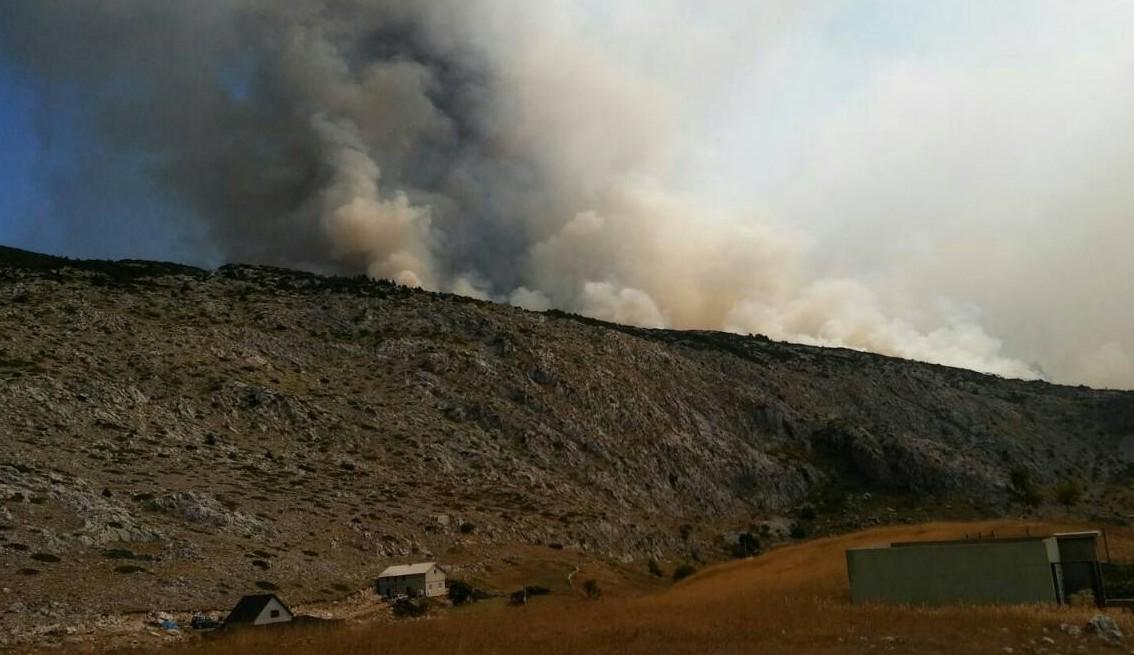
[[937, 574], [435, 582], [266, 617], [431, 583], [410, 585]]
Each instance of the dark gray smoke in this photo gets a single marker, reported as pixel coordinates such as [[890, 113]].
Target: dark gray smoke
[[340, 135]]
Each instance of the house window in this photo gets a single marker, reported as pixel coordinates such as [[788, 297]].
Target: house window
[[275, 614]]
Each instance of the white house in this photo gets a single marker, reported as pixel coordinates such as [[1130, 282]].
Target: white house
[[424, 579], [262, 609]]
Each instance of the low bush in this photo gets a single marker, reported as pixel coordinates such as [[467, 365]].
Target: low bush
[[461, 592], [1026, 488], [683, 571], [410, 607], [126, 553], [747, 544], [1069, 492]]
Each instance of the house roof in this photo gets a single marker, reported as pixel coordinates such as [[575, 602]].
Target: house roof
[[407, 569], [250, 607]]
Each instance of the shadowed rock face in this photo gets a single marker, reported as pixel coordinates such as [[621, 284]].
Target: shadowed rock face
[[213, 413]]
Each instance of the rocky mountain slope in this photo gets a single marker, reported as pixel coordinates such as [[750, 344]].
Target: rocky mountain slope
[[173, 435]]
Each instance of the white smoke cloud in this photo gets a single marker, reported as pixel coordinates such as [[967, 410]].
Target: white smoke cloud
[[1111, 365], [390, 235], [525, 298], [847, 313], [627, 306]]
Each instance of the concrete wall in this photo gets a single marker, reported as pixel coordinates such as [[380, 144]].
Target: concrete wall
[[939, 574]]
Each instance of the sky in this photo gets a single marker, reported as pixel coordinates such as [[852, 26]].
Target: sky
[[944, 181], [19, 158]]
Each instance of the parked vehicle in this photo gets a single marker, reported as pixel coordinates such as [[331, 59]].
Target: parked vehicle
[[201, 622]]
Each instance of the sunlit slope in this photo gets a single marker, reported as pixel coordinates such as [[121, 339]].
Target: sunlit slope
[[792, 600]]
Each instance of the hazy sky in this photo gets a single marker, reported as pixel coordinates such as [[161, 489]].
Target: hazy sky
[[946, 181]]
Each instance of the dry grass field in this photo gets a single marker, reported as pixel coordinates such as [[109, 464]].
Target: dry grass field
[[791, 600]]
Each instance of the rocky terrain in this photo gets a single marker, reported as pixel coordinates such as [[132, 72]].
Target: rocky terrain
[[173, 437]]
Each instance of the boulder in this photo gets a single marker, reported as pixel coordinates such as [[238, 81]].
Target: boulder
[[1106, 628]]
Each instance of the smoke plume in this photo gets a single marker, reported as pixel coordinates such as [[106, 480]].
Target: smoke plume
[[542, 154]]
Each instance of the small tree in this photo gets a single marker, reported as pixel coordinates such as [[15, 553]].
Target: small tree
[[798, 531], [591, 588]]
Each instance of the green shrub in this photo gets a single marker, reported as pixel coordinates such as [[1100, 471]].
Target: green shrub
[[798, 531], [467, 527], [591, 588], [654, 568]]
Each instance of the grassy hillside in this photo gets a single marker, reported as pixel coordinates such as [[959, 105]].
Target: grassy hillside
[[793, 600], [174, 438]]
